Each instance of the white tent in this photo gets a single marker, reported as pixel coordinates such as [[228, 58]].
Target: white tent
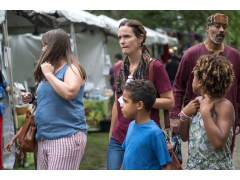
[[2, 16], [112, 24], [94, 38], [172, 41], [87, 33]]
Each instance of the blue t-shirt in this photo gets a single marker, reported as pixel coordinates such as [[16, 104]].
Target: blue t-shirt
[[56, 117], [145, 147]]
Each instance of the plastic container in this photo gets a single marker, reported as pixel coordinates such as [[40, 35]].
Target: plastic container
[[22, 109], [130, 78]]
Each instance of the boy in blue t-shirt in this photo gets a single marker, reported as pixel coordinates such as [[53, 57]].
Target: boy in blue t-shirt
[[145, 143]]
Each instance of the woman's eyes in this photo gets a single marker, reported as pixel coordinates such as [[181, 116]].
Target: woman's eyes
[[124, 37]]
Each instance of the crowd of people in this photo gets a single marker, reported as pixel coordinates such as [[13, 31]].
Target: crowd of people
[[202, 96]]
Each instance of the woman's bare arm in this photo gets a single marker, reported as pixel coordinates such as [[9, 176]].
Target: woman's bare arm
[[166, 101], [114, 116]]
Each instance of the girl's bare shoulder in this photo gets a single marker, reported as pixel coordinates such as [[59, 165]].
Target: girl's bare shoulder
[[223, 106]]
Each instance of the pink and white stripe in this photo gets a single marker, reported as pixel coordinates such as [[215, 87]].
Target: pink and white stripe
[[61, 154]]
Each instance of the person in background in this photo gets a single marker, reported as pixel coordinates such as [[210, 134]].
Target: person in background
[[117, 59], [59, 117], [4, 88], [145, 143], [132, 36], [8, 146], [207, 121], [216, 27], [172, 67]]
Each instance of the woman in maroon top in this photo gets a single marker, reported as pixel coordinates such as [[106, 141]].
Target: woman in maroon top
[[132, 36]]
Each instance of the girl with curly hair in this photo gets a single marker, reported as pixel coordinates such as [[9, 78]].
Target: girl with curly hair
[[206, 122]]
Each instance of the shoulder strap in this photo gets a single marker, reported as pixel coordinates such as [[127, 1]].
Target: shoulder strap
[[150, 76], [165, 111]]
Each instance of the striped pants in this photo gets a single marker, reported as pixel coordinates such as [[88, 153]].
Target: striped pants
[[61, 154]]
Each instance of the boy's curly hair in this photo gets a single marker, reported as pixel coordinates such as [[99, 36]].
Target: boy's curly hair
[[216, 74], [142, 90]]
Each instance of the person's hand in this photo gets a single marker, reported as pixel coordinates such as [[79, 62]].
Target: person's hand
[[191, 108], [47, 68], [8, 146], [174, 125], [26, 97], [237, 130], [206, 104]]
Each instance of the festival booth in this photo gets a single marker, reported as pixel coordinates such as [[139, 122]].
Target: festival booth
[[88, 35]]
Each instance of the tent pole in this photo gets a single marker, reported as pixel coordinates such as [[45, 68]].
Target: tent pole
[[73, 35], [10, 72]]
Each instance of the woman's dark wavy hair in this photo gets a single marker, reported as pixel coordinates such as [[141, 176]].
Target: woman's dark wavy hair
[[138, 29], [216, 74], [58, 48]]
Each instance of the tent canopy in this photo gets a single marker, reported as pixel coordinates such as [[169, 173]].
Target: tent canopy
[[39, 21], [25, 29], [30, 21], [94, 38], [2, 16]]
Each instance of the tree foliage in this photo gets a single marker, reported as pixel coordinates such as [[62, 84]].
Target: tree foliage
[[183, 21]]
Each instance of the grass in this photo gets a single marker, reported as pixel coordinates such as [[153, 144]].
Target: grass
[[95, 154]]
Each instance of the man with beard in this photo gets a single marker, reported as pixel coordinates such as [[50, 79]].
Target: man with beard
[[216, 28]]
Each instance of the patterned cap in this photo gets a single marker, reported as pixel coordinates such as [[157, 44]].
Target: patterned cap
[[217, 18]]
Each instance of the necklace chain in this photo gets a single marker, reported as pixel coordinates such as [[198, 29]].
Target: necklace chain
[[132, 69], [218, 100]]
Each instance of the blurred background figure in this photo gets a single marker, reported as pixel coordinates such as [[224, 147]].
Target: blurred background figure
[[172, 67], [117, 59]]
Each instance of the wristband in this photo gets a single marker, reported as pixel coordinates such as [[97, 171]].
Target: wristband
[[184, 116], [33, 98]]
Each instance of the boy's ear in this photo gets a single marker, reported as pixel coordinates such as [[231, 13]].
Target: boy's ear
[[140, 105]]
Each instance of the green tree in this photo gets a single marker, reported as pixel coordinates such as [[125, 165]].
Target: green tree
[[183, 21]]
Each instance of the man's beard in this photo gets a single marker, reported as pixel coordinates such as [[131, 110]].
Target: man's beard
[[214, 39]]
